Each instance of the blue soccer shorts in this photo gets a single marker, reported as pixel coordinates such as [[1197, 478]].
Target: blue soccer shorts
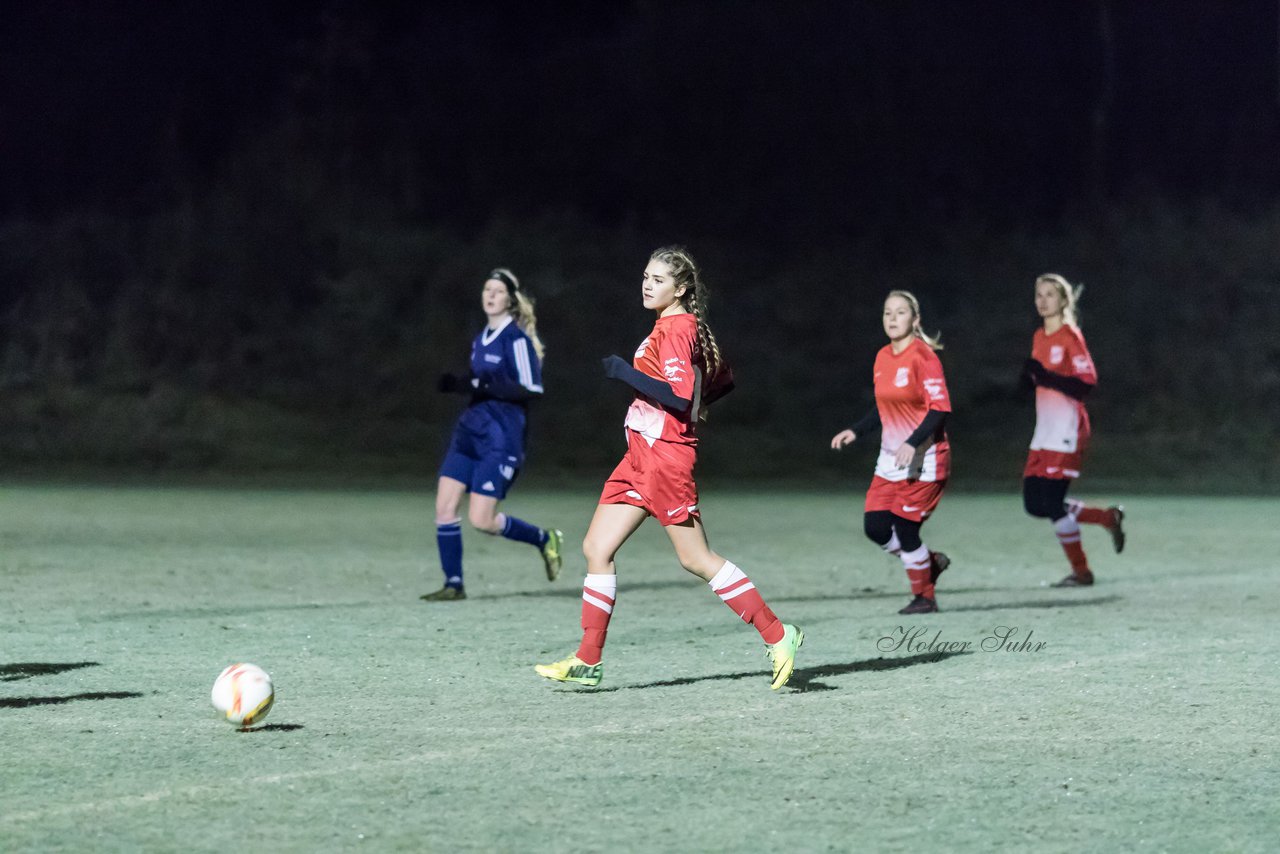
[[473, 460]]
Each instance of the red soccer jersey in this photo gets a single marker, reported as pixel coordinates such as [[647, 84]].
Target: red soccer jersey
[[1062, 423], [667, 354], [908, 385]]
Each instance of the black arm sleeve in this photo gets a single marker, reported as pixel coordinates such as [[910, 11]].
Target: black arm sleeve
[[454, 384], [617, 369], [868, 423], [1070, 386], [930, 426], [505, 388]]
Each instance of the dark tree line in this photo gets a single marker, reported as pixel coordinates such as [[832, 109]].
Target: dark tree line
[[233, 235]]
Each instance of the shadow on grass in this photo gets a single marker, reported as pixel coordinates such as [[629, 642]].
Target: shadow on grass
[[1042, 603], [28, 669], [272, 728], [803, 679], [24, 702], [575, 592], [872, 593]]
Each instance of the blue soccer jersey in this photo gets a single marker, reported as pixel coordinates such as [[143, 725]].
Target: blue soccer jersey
[[506, 373]]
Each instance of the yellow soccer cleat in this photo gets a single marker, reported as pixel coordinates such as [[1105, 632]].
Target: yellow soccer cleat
[[572, 669], [551, 553], [783, 654]]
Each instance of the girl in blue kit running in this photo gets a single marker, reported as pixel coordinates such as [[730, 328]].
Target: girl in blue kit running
[[487, 449]]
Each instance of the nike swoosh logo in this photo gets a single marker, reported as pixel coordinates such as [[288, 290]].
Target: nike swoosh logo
[[674, 512], [909, 508]]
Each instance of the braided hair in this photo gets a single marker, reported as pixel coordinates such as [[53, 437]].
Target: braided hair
[[684, 271]]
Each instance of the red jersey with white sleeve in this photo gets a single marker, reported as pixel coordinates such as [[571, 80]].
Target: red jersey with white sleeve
[[1062, 424], [667, 354], [908, 385]]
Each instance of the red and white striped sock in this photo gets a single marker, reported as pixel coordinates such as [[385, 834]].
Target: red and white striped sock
[[736, 590], [598, 595], [917, 565], [1068, 531], [1086, 515]]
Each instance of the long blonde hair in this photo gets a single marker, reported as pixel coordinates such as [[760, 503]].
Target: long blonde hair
[[1069, 293], [935, 340], [521, 307], [684, 271]]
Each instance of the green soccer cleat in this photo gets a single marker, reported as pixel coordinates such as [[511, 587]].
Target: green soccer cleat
[[551, 553], [783, 654], [572, 669], [445, 594]]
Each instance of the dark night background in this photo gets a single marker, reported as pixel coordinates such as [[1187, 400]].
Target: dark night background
[[245, 237]]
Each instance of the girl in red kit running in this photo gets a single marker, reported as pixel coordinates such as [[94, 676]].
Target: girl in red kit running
[[676, 371], [1062, 372], [912, 405]]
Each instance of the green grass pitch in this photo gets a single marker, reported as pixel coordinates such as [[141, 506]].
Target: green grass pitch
[[1141, 715]]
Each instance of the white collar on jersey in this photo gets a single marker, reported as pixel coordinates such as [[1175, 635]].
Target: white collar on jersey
[[489, 334]]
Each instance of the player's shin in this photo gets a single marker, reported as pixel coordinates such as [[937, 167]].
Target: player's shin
[[598, 595], [736, 590], [449, 544]]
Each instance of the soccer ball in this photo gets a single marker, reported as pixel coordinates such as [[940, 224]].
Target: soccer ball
[[243, 693]]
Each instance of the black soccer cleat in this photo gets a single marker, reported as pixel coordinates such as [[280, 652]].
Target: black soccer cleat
[[1074, 580], [1116, 528], [448, 593], [938, 563], [921, 605]]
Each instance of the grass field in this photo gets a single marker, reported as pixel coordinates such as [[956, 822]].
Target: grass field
[[1146, 720]]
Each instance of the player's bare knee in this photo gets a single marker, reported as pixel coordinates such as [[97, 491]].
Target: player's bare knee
[[596, 553], [447, 510], [485, 522], [702, 570], [704, 565]]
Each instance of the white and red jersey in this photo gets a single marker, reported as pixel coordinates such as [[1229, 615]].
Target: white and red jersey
[[908, 385], [1062, 424], [668, 354]]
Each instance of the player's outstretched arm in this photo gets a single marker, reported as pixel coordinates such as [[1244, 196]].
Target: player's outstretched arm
[[616, 368]]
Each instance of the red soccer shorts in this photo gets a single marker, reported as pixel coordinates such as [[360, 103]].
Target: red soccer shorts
[[909, 499], [1055, 465], [658, 478]]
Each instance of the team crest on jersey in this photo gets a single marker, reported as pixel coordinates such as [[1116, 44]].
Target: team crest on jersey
[[673, 370], [1055, 354], [1081, 364], [644, 345], [934, 388], [903, 377]]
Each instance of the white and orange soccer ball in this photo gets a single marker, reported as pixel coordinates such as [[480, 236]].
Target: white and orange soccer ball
[[243, 693]]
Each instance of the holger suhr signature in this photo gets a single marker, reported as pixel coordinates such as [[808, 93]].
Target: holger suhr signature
[[1000, 639]]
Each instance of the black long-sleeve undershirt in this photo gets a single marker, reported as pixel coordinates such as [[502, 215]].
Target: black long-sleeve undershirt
[[1072, 387], [930, 425], [617, 368], [868, 423], [497, 388]]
